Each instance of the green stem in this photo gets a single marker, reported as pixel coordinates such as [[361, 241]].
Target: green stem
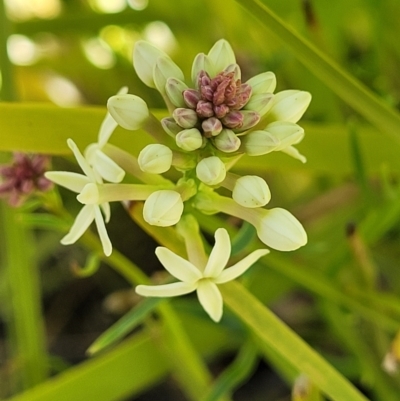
[[24, 317]]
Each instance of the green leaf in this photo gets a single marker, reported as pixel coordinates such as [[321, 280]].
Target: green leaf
[[124, 325], [265, 325]]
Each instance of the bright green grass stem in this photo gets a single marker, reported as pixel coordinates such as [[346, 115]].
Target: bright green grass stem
[[23, 314]]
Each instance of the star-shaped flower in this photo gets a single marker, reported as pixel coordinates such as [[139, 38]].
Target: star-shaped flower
[[77, 183], [202, 279]]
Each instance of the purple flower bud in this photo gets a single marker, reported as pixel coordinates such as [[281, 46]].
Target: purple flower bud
[[204, 109], [221, 111], [191, 98], [250, 119], [186, 118], [233, 120], [211, 127]]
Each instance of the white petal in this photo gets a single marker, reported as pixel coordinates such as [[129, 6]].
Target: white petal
[[239, 268], [101, 228], [129, 111], [81, 223], [107, 128], [177, 266], [107, 168], [84, 165], [165, 290], [219, 255], [105, 207], [210, 299], [280, 230], [292, 151], [165, 68], [221, 55], [72, 181], [145, 56]]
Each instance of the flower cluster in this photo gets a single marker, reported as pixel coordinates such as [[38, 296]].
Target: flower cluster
[[214, 119], [23, 177]]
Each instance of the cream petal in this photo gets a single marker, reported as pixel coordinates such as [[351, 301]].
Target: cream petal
[[165, 290], [107, 168], [84, 165], [165, 68], [105, 207], [210, 299], [177, 266], [239, 268], [280, 230], [290, 105], [101, 228], [73, 181], [221, 55], [81, 224], [106, 129], [292, 151], [219, 255], [145, 56]]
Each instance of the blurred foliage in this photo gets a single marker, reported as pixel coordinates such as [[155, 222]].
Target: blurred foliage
[[340, 293]]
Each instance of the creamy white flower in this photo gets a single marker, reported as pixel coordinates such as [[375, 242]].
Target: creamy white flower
[[77, 183], [101, 163], [202, 279]]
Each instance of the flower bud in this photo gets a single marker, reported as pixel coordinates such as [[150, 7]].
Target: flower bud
[[211, 170], [263, 83], [170, 126], [221, 56], [155, 159], [250, 119], [129, 111], [163, 208], [145, 56], [260, 103], [191, 98], [251, 191], [233, 119], [174, 89], [200, 63], [211, 127], [165, 68], [286, 133], [189, 139], [290, 105], [280, 230], [259, 143], [235, 69], [186, 118], [227, 141]]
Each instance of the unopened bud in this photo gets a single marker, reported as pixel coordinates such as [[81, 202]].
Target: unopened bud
[[233, 120], [211, 170], [191, 98], [155, 159], [204, 109], [175, 89], [286, 133], [200, 63], [260, 103], [165, 68], [129, 111], [227, 141], [250, 119], [189, 139], [259, 143], [221, 56], [263, 83], [186, 118], [289, 105], [170, 126], [251, 191], [211, 127], [163, 208]]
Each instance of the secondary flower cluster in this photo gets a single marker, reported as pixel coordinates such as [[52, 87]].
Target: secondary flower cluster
[[214, 119]]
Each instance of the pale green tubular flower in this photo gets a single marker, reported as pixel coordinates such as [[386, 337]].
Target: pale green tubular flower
[[195, 275]]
